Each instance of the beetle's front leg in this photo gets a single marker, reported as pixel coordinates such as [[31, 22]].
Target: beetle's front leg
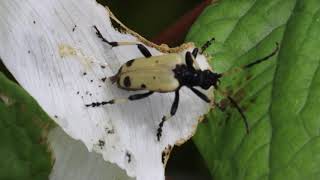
[[200, 95], [173, 111], [190, 60], [146, 53], [120, 100]]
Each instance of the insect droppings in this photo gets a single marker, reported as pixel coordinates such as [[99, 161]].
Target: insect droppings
[[128, 155], [101, 143], [74, 28], [103, 79]]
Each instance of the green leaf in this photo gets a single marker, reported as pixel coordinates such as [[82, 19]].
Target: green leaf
[[24, 152], [280, 97]]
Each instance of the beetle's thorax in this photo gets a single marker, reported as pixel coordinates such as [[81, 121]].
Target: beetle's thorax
[[185, 75], [192, 77]]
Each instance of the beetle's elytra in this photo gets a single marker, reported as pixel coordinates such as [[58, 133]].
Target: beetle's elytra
[[164, 74]]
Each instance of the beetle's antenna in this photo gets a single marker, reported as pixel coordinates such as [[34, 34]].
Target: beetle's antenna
[[274, 52], [206, 45], [232, 101], [235, 104], [264, 58]]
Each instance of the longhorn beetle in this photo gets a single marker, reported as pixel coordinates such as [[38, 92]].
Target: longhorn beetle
[[164, 74]]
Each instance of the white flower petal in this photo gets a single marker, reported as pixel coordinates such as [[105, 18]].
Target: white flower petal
[[48, 46], [73, 161]]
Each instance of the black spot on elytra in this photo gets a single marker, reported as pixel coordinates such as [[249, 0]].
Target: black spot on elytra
[[154, 77], [84, 73], [127, 81], [91, 80], [129, 63], [29, 52], [78, 92], [34, 22], [102, 66], [143, 86], [55, 116]]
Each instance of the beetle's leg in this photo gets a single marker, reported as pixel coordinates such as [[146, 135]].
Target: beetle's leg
[[121, 100], [200, 95], [189, 60], [144, 50], [173, 111], [113, 44], [140, 96], [141, 47]]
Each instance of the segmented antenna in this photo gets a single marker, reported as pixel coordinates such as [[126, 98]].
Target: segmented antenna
[[264, 58], [206, 45]]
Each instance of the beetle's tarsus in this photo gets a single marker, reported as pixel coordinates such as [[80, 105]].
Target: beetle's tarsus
[[120, 100], [159, 130], [96, 104], [144, 50], [173, 111], [98, 33]]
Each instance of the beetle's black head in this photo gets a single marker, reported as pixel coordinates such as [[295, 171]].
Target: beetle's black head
[[208, 79]]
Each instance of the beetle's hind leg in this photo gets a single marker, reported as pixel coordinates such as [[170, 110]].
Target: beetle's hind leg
[[173, 111], [120, 100], [146, 53]]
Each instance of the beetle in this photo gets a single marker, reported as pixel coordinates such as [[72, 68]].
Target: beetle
[[164, 74]]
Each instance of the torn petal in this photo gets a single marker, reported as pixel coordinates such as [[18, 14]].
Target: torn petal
[[53, 51]]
